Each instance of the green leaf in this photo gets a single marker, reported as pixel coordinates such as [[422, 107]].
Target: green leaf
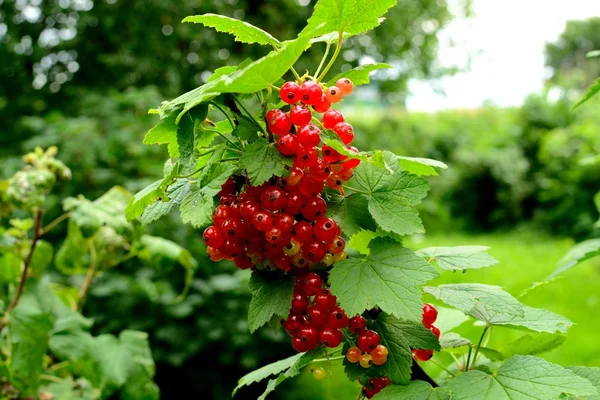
[[350, 212], [358, 75], [592, 91], [349, 17], [399, 219], [176, 193], [271, 295], [579, 253], [262, 160], [533, 344], [449, 318], [592, 374], [186, 142], [143, 198], [421, 166], [458, 258], [42, 257], [221, 71], [107, 210], [243, 31], [361, 239], [400, 337], [416, 390], [493, 355], [388, 278], [246, 129], [292, 371], [165, 253], [266, 371], [10, 268], [68, 389], [452, 340], [521, 377], [73, 256], [165, 132], [534, 319], [483, 302]]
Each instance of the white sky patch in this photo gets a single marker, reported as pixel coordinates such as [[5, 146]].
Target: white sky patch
[[506, 40]]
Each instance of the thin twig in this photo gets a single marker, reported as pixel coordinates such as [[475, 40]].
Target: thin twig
[[334, 57], [323, 59], [224, 113], [52, 224], [479, 344], [88, 278]]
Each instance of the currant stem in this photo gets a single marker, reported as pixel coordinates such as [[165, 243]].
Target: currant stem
[[52, 224], [318, 360], [442, 367], [468, 358], [224, 137], [224, 113], [335, 55], [356, 190], [296, 75], [323, 59], [89, 277], [479, 344]]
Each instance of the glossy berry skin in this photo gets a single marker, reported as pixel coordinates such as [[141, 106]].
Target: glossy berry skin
[[357, 324], [262, 221], [319, 373], [353, 355], [242, 261], [293, 323], [294, 204], [330, 337], [309, 335], [314, 208], [367, 341], [306, 156], [322, 105], [274, 236], [228, 188], [325, 300], [340, 256], [338, 318], [380, 355], [320, 170], [310, 92], [284, 221], [299, 303], [337, 245], [300, 115], [290, 92], [292, 248], [422, 354], [327, 260], [293, 180], [429, 315], [308, 135], [330, 155], [366, 361], [316, 317], [232, 227], [214, 254], [278, 122], [213, 237], [299, 261], [334, 94], [283, 262], [273, 198], [298, 344], [314, 250], [352, 163], [248, 209], [380, 383], [302, 231], [325, 229], [220, 214], [345, 85], [287, 144], [311, 186], [435, 331], [232, 248], [310, 284], [345, 131], [331, 118]]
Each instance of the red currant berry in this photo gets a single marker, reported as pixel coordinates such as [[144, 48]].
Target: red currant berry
[[273, 198], [287, 144], [309, 135], [232, 227], [299, 261], [248, 209], [337, 245], [325, 229], [299, 303], [357, 324], [213, 237], [278, 122], [429, 315], [325, 300], [310, 92], [242, 261], [310, 186], [214, 254], [380, 355], [307, 156], [422, 354], [335, 182], [290, 92], [316, 317], [227, 200], [310, 284], [284, 222], [381, 382], [435, 331], [274, 235], [330, 337], [345, 131], [320, 170], [314, 208], [293, 180], [302, 231], [293, 323], [345, 174], [228, 188], [232, 248], [298, 344], [353, 163], [314, 250], [309, 335], [300, 115], [367, 341], [220, 214], [338, 318], [283, 262], [330, 155], [368, 392], [353, 355], [263, 221], [253, 192], [322, 104], [346, 86], [331, 118], [334, 94], [294, 204]]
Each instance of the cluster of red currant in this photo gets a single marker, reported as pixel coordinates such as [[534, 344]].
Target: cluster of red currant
[[429, 317], [367, 351], [375, 386]]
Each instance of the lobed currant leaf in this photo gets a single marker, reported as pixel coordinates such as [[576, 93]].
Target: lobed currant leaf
[[592, 374], [458, 258], [266, 371], [350, 212], [452, 340], [301, 362], [243, 31], [532, 344], [246, 129], [176, 193], [270, 296], [534, 319], [417, 390], [165, 132], [387, 278], [421, 166], [359, 75], [262, 160]]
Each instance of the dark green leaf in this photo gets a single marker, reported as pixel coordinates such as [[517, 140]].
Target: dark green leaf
[[197, 208], [243, 31], [271, 295], [176, 193], [416, 390], [350, 212], [266, 371], [533, 344], [246, 129], [262, 160], [292, 371], [42, 257]]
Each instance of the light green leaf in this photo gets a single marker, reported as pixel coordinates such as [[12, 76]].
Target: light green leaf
[[73, 256], [271, 295], [592, 91], [592, 374], [266, 371], [68, 389], [533, 344], [243, 31], [579, 253], [416, 390], [350, 17], [359, 75], [165, 254], [398, 219], [493, 355], [459, 257], [221, 71], [107, 210], [10, 267], [292, 371], [483, 302], [142, 199], [197, 208], [521, 377], [400, 337], [534, 319], [176, 193], [165, 132], [388, 278], [361, 239], [449, 318], [262, 160], [452, 340], [421, 166]]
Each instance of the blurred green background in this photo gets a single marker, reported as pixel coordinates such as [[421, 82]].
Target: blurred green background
[[81, 75]]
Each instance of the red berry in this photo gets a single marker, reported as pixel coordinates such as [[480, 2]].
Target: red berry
[[290, 92], [278, 122], [214, 254], [429, 315], [232, 247], [302, 231], [331, 118], [314, 250], [309, 135], [422, 354], [316, 317], [283, 262], [330, 337], [220, 214], [345, 131], [273, 198], [346, 86], [293, 180], [435, 331], [298, 344], [307, 156], [320, 170], [337, 245], [299, 303], [227, 200], [330, 155], [300, 115], [368, 392], [263, 221], [314, 208], [309, 335], [357, 324], [248, 209], [325, 300], [228, 188], [325, 229], [310, 92], [284, 222], [242, 261], [274, 236], [338, 318], [294, 204], [287, 144], [293, 323], [213, 237], [310, 284], [353, 163], [232, 227], [334, 94], [380, 383], [310, 186], [367, 341], [322, 104]]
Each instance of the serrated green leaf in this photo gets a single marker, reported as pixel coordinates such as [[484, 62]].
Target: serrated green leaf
[[176, 193], [360, 241], [11, 268], [415, 390], [196, 209], [246, 129], [400, 337], [350, 17], [533, 344], [592, 374], [164, 253], [521, 377], [483, 302], [492, 354], [262, 160], [350, 212], [579, 253], [458, 258], [388, 278], [221, 71], [534, 319], [143, 198], [165, 132], [450, 340], [106, 210], [266, 371], [271, 295], [292, 371], [421, 166], [398, 219], [592, 91], [243, 31], [359, 75]]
